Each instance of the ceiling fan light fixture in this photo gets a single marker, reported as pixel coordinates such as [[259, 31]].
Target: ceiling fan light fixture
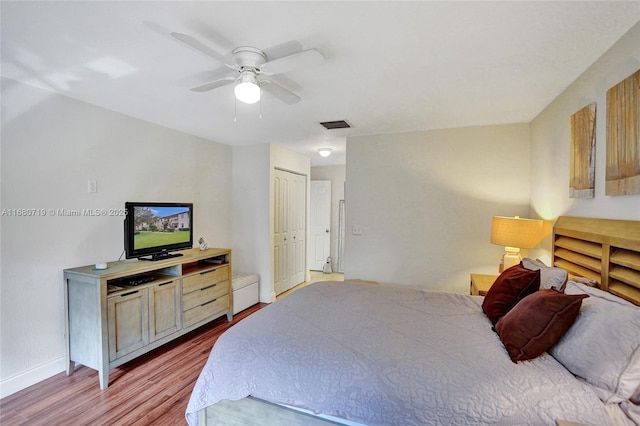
[[324, 152], [247, 90]]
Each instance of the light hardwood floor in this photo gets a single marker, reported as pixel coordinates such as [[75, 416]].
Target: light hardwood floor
[[151, 390]]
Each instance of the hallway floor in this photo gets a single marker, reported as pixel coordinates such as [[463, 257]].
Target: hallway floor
[[316, 276]]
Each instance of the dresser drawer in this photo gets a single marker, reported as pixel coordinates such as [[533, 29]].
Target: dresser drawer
[[199, 313], [197, 298], [204, 279]]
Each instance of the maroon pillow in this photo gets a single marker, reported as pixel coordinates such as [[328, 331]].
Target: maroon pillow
[[511, 286], [537, 322]]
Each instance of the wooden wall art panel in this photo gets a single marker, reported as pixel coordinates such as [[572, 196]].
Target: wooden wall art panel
[[582, 162], [623, 137]]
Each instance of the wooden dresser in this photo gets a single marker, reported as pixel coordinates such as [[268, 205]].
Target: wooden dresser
[[119, 313]]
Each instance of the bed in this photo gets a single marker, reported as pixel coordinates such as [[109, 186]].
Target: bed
[[362, 354]]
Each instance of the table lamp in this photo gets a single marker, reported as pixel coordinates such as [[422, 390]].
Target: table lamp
[[514, 233]]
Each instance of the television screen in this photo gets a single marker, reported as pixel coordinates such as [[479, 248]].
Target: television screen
[[155, 229]]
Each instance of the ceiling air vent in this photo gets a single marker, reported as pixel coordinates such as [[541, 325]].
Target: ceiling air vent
[[340, 124]]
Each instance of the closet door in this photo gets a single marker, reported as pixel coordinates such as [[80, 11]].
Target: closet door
[[281, 237], [289, 230], [298, 230]]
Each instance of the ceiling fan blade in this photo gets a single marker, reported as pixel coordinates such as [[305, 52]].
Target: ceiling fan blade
[[297, 60], [199, 46], [280, 92], [213, 84]]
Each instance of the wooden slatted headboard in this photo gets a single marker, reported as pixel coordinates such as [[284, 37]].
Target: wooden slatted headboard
[[603, 250]]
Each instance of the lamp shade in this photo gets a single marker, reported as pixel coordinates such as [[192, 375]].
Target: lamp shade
[[248, 90], [516, 232]]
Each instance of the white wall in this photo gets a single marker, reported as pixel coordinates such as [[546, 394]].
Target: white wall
[[253, 168], [335, 174], [424, 202], [251, 206], [51, 146], [550, 142]]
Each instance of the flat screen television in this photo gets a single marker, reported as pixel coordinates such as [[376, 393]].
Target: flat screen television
[[152, 231]]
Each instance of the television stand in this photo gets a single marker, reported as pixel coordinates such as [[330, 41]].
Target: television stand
[[160, 256], [117, 314]]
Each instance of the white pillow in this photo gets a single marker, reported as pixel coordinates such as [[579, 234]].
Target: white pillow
[[550, 277], [632, 411], [603, 345]]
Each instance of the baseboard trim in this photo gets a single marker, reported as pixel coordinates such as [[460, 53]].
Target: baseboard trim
[[32, 376], [271, 298]]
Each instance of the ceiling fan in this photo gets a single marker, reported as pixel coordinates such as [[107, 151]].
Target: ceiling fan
[[249, 65]]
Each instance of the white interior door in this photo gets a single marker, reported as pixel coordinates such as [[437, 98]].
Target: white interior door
[[320, 223]]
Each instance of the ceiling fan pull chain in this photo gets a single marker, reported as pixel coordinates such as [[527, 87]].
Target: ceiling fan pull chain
[[260, 116], [235, 110]]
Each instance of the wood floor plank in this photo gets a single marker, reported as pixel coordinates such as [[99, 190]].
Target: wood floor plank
[[153, 389]]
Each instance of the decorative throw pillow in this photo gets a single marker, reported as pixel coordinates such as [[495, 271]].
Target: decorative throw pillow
[[510, 287], [537, 322], [603, 346], [550, 277]]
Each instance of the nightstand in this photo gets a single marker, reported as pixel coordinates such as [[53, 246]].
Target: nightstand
[[481, 283]]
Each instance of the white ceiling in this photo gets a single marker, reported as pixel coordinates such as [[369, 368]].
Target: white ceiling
[[390, 66]]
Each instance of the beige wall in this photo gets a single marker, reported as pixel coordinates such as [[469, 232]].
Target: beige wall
[[253, 167], [550, 142], [51, 146], [424, 202], [251, 219]]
